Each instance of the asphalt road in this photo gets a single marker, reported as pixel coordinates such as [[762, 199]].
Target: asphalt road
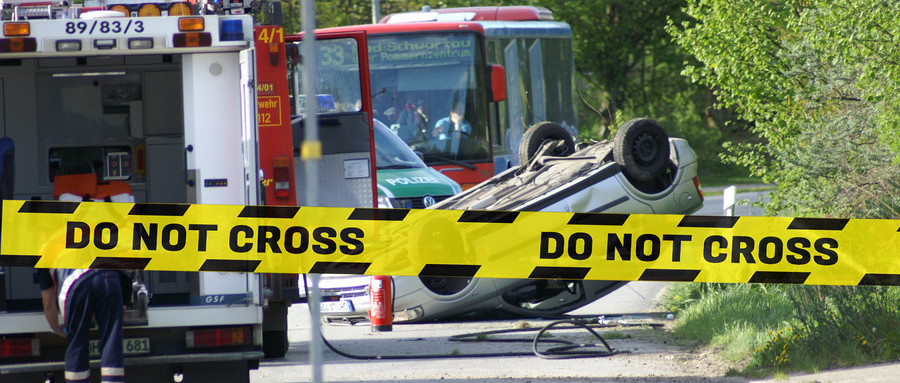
[[634, 306]]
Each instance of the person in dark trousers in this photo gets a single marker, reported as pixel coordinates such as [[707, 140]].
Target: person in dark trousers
[[83, 295]]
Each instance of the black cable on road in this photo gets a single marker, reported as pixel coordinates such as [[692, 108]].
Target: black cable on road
[[568, 350]]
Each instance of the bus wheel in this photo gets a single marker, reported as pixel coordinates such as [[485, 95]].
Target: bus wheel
[[641, 148], [538, 133]]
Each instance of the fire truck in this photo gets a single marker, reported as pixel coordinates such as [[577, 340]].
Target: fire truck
[[173, 104]]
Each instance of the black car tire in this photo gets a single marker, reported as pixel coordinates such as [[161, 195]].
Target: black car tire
[[641, 148], [535, 136]]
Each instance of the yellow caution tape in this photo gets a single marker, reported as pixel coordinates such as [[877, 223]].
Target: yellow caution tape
[[486, 244]]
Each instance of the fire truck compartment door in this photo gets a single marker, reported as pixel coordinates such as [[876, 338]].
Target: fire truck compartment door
[[346, 169]]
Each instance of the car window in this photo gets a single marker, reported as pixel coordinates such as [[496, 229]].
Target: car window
[[391, 152]]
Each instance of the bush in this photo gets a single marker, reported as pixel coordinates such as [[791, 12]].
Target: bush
[[783, 328]]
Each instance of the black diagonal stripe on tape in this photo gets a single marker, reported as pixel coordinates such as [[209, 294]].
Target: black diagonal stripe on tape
[[52, 207], [120, 263], [363, 214], [708, 221], [268, 212], [488, 216], [779, 277], [438, 270], [669, 275], [543, 272], [230, 265], [598, 219], [818, 224], [340, 268], [880, 280], [163, 209], [19, 260]]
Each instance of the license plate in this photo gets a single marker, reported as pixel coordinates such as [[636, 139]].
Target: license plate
[[337, 307], [130, 346]]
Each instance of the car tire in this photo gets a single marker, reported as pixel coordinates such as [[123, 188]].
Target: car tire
[[535, 136], [641, 148]]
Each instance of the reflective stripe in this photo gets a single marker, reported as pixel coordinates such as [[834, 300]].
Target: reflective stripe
[[112, 371], [64, 289], [78, 375]]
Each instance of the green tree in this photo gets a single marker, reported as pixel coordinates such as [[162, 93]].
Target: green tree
[[627, 64], [817, 80]]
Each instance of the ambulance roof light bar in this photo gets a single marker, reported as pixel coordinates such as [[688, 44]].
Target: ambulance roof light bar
[[192, 32]]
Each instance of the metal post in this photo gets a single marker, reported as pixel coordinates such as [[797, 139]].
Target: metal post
[[728, 200], [311, 153], [376, 11]]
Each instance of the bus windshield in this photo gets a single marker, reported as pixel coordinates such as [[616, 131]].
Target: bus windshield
[[429, 91]]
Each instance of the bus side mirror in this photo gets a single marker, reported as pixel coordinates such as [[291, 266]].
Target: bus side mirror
[[292, 53], [498, 82]]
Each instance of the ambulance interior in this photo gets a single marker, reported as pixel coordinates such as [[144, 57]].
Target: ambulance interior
[[79, 125]]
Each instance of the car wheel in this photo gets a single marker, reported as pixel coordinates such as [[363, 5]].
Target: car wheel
[[641, 148], [535, 136], [439, 236]]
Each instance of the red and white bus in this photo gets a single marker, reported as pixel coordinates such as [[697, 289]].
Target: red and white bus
[[537, 54], [426, 70]]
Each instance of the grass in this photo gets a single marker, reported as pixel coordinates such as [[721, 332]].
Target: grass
[[776, 329]]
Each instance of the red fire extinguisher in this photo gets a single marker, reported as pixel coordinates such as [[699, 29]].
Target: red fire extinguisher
[[381, 305]]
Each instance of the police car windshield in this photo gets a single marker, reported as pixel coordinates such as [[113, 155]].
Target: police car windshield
[[391, 152]]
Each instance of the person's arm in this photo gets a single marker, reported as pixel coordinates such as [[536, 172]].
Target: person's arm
[[48, 298], [51, 311]]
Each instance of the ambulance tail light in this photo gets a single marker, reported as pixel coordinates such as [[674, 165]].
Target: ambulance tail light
[[149, 10], [16, 29], [16, 38], [191, 24], [180, 9], [19, 347], [282, 177], [218, 337], [121, 8]]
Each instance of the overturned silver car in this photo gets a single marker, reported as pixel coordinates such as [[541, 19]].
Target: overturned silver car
[[641, 171]]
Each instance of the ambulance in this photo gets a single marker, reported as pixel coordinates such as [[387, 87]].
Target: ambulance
[[161, 105]]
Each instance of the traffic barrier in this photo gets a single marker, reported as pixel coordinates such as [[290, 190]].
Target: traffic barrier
[[454, 243]]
